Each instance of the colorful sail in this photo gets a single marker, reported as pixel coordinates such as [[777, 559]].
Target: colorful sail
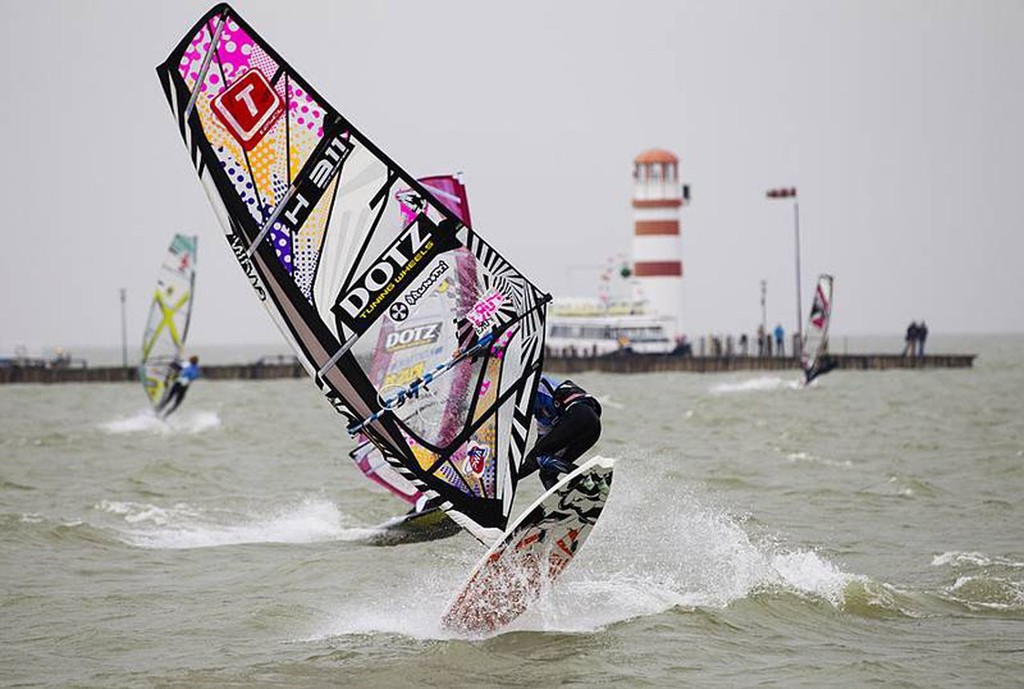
[[815, 347], [405, 353], [169, 316], [308, 206]]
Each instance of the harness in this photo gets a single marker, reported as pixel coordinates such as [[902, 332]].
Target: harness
[[554, 399]]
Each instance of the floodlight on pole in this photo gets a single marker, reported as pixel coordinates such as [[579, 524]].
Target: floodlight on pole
[[790, 193]]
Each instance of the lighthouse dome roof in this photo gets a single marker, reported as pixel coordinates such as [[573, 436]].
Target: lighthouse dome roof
[[656, 155]]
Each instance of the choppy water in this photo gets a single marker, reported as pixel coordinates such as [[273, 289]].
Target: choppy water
[[869, 530]]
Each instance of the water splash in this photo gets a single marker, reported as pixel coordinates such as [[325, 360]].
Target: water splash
[[146, 422], [759, 384], [182, 526], [657, 546]]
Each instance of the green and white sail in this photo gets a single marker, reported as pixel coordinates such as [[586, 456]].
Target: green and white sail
[[169, 314]]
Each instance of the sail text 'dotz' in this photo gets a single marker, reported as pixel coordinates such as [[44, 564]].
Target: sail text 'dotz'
[[394, 269]]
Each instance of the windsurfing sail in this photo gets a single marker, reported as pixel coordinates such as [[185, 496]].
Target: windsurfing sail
[[405, 352], [169, 315], [814, 359], [308, 204]]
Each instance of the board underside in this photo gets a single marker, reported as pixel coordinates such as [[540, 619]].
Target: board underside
[[534, 551]]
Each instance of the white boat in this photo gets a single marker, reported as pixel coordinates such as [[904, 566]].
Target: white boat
[[588, 327]]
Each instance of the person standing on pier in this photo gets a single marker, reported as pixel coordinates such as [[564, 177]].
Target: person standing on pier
[[780, 340], [910, 341], [922, 335]]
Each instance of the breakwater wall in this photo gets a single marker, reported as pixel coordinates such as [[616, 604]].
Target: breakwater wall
[[648, 363], [627, 363], [120, 374]]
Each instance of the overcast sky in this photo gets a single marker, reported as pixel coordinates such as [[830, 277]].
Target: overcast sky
[[901, 123]]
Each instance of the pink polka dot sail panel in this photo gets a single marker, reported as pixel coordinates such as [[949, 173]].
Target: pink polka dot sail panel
[[343, 246]]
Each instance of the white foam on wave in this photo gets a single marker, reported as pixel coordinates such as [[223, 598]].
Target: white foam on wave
[[795, 457], [760, 384], [656, 552], [956, 557], [988, 593], [182, 526], [146, 422], [658, 546]]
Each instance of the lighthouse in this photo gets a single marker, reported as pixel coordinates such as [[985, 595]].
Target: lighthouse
[[657, 250]]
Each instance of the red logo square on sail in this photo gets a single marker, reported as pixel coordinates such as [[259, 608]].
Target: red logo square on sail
[[249, 108]]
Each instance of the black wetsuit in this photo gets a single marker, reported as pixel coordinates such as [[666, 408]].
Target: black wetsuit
[[173, 398], [823, 365], [575, 420], [176, 394]]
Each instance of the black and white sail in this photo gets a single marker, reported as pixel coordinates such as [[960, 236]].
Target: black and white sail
[[312, 211]]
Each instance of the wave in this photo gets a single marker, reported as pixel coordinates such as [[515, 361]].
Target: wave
[[32, 528], [983, 583], [647, 555], [956, 558], [183, 526], [147, 422]]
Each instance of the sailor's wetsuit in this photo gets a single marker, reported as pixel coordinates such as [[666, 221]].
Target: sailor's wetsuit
[[568, 423], [822, 365], [177, 392]]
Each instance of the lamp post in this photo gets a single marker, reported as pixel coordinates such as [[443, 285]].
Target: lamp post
[[764, 309], [124, 332], [790, 193]]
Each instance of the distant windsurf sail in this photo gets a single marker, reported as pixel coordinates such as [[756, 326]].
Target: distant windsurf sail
[[815, 348], [309, 206], [405, 352], [169, 315]]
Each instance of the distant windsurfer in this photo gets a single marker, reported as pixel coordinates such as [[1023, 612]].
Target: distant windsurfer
[[822, 365], [188, 373], [568, 422]]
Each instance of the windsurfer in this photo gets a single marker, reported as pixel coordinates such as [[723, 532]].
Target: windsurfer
[[568, 422], [822, 365], [176, 394]]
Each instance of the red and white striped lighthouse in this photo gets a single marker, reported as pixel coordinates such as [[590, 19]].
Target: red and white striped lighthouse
[[657, 249]]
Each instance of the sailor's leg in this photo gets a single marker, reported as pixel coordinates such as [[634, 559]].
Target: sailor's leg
[[577, 433], [164, 400], [177, 395], [586, 429]]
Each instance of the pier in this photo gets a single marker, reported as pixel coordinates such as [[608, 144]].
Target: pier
[[268, 368], [650, 363], [265, 368]]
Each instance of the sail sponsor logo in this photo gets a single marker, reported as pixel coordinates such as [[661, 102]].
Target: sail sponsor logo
[[403, 377], [329, 157], [417, 293], [249, 108], [476, 458], [396, 267], [484, 313], [410, 357], [240, 248], [413, 336]]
